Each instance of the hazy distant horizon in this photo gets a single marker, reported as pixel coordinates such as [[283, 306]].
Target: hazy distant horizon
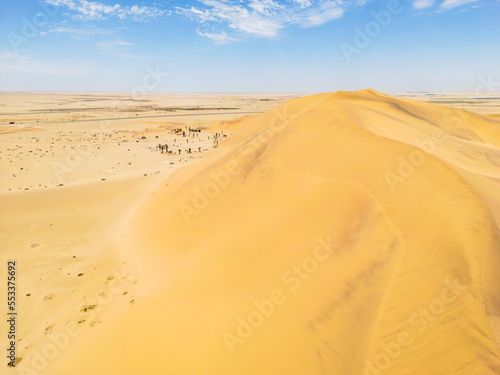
[[245, 92]]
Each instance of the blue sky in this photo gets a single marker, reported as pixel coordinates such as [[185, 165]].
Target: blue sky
[[250, 45]]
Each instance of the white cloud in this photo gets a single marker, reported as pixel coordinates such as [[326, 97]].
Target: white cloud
[[422, 4], [91, 10], [260, 22], [303, 3], [263, 18], [450, 4], [264, 6], [327, 11]]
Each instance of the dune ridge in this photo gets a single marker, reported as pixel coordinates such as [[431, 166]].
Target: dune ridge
[[345, 233]]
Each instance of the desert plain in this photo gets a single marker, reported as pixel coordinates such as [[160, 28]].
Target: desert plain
[[349, 233]]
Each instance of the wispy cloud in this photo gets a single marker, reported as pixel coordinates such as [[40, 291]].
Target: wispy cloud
[[316, 16], [262, 18], [11, 62], [82, 33], [107, 44], [303, 3], [450, 4], [91, 10], [444, 6], [422, 4], [114, 47], [96, 37], [242, 19], [220, 38]]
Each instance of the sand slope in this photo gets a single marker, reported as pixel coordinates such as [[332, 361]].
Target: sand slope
[[320, 240]]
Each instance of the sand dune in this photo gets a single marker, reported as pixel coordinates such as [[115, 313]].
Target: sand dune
[[346, 233]]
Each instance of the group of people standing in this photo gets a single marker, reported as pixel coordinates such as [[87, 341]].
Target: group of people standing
[[163, 148]]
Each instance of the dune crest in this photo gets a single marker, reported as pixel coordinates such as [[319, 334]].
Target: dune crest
[[346, 233]]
